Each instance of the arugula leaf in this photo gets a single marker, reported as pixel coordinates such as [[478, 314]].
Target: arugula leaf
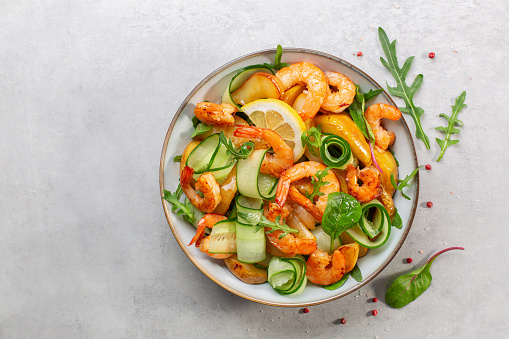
[[177, 158], [452, 122], [185, 209], [404, 183], [356, 273], [337, 284], [200, 129], [410, 286], [312, 138], [402, 90], [397, 222], [317, 184], [243, 151], [275, 226], [195, 121], [277, 62], [341, 213], [357, 109], [397, 162]]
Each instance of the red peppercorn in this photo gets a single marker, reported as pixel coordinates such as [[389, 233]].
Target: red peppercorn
[[429, 204], [375, 300], [306, 310], [431, 55], [343, 320], [359, 54], [428, 167], [409, 260], [374, 312]]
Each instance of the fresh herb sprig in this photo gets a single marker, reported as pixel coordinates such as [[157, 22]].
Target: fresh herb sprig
[[312, 139], [402, 90], [185, 209], [177, 158], [201, 129], [341, 213], [453, 121], [277, 61], [242, 153], [404, 183], [357, 109], [275, 226], [318, 182], [410, 286]]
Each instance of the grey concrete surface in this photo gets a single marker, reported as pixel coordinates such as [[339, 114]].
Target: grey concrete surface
[[87, 92]]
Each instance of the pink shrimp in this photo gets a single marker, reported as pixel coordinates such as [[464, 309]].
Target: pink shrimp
[[206, 184], [339, 100], [273, 164], [370, 188], [208, 221], [214, 114], [374, 115], [323, 269]]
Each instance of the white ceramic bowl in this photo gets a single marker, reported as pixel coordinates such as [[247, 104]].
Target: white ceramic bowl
[[178, 136]]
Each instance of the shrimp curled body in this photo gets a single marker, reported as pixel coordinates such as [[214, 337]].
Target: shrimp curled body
[[208, 221], [370, 188], [374, 115], [323, 269], [273, 164], [313, 77], [300, 171], [338, 101], [206, 184], [214, 114]]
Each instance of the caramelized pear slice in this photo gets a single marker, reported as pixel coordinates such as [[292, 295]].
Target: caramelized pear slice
[[258, 86]]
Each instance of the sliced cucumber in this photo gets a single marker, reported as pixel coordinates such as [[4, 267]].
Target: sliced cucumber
[[287, 275], [202, 155], [335, 151], [223, 237], [360, 237], [380, 217], [249, 210], [250, 182], [251, 246], [239, 78]]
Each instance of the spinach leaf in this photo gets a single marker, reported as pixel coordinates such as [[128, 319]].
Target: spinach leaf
[[397, 222], [404, 183], [452, 122], [341, 213], [195, 121], [402, 90], [410, 286], [200, 129], [356, 273], [337, 284]]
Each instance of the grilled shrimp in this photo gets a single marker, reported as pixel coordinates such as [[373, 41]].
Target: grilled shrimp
[[338, 101], [370, 188], [273, 164], [300, 171], [206, 184], [374, 115], [323, 269], [290, 244], [313, 77], [214, 114], [208, 221]]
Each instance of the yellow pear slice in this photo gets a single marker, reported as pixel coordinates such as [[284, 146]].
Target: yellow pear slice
[[299, 102], [258, 86], [292, 94]]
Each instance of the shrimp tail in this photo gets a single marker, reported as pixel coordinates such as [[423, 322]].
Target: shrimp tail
[[247, 132], [282, 190], [186, 175]]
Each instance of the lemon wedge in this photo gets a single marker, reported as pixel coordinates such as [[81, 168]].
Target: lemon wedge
[[281, 118]]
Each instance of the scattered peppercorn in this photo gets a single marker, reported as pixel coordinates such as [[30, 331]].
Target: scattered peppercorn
[[428, 167], [374, 312], [306, 310], [429, 204], [359, 54], [343, 321], [409, 260], [431, 55], [375, 300]]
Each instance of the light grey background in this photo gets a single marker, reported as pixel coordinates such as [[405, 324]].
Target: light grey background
[[87, 92]]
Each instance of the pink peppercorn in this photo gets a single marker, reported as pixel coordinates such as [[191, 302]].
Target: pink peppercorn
[[409, 260], [431, 55], [374, 312], [343, 321], [428, 167], [306, 310], [375, 300], [359, 54], [429, 204]]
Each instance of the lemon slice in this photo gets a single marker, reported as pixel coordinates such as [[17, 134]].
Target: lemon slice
[[281, 118]]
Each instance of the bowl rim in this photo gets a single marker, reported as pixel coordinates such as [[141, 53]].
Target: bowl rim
[[184, 247]]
